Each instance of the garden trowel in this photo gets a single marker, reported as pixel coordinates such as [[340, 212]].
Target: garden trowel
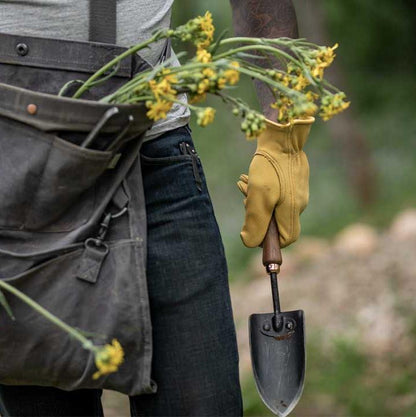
[[277, 342]]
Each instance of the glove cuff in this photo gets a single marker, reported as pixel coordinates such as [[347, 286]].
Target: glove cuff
[[279, 126], [286, 138]]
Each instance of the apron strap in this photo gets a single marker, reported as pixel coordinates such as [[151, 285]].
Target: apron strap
[[103, 21]]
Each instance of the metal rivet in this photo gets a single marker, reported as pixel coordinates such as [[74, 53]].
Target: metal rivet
[[32, 108], [22, 49], [266, 327], [289, 325]]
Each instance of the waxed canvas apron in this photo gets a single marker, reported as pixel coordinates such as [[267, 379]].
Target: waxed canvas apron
[[72, 219]]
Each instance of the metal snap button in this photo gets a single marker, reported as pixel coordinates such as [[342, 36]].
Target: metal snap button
[[22, 49]]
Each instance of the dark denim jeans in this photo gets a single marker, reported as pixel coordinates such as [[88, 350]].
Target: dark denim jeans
[[195, 357]]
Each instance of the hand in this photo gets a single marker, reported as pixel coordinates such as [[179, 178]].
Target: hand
[[277, 183]]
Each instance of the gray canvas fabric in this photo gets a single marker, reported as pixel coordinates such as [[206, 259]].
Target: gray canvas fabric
[[54, 196], [69, 19]]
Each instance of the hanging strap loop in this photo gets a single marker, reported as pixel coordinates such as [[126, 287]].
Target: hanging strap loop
[[103, 21]]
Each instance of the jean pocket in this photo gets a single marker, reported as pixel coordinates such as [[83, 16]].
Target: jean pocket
[[47, 183], [174, 150], [166, 147], [164, 160]]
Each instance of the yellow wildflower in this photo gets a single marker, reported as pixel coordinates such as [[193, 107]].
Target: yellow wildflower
[[292, 68], [286, 79], [232, 75], [198, 98], [206, 116], [203, 56], [282, 115], [318, 71], [158, 110], [207, 30], [304, 108], [154, 86], [310, 110], [166, 87], [203, 86], [300, 82], [207, 24], [311, 96], [108, 358], [209, 72], [326, 56], [333, 104], [284, 105], [163, 88], [166, 73], [221, 83], [199, 30], [234, 64], [323, 59], [277, 76]]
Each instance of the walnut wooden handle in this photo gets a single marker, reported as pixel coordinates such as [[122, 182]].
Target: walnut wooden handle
[[271, 245]]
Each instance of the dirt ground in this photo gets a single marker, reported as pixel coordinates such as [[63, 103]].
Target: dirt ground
[[354, 285]]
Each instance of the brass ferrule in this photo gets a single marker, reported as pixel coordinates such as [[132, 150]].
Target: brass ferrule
[[273, 268]]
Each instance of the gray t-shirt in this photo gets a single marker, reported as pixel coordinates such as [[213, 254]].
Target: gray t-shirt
[[69, 19]]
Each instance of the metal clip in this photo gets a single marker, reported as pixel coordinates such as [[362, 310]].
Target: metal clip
[[121, 135], [120, 213], [96, 250], [108, 115], [104, 228]]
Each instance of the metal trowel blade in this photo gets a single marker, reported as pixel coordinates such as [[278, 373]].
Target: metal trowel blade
[[278, 359]]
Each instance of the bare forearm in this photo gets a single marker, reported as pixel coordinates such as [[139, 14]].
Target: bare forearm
[[264, 19]]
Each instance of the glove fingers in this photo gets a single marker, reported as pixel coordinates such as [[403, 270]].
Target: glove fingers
[[288, 212], [243, 187], [244, 178], [263, 192], [288, 223]]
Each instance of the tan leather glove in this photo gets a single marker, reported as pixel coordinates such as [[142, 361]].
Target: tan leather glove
[[277, 182]]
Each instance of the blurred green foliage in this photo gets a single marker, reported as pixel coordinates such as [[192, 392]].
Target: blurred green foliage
[[377, 58], [376, 36]]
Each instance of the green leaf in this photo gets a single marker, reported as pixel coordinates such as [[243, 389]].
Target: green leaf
[[6, 305], [213, 48]]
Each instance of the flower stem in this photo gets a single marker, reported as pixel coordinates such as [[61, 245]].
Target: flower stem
[[157, 36], [143, 77], [41, 310], [267, 80], [254, 41], [256, 47]]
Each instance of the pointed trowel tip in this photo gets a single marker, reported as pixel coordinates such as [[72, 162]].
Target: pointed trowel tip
[[283, 409]]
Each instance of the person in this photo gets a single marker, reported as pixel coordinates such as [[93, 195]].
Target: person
[[195, 356]]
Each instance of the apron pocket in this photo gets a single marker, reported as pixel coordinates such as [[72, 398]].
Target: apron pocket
[[46, 182], [114, 306], [14, 263]]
